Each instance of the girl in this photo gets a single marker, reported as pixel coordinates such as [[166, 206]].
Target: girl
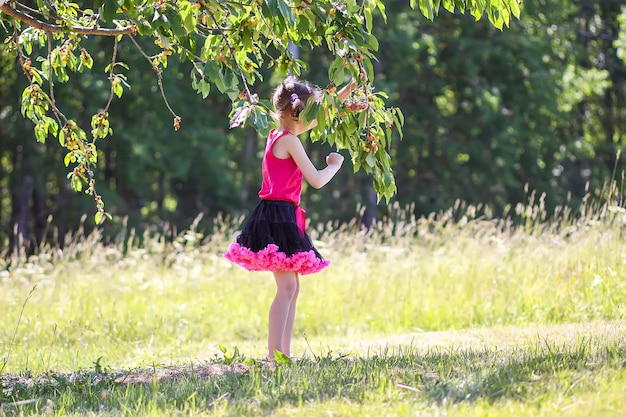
[[274, 237]]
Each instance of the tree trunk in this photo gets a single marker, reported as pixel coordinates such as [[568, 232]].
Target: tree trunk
[[21, 209], [371, 203], [40, 209], [247, 157], [614, 100]]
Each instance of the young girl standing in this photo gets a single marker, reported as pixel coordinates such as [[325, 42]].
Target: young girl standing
[[274, 237]]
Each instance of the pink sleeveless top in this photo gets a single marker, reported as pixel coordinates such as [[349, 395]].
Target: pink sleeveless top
[[282, 179]]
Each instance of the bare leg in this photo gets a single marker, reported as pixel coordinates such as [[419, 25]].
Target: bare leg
[[286, 287], [286, 342]]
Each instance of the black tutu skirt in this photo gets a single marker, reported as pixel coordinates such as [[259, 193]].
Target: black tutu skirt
[[273, 239]]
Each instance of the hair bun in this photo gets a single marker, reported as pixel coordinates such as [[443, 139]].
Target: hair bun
[[291, 96]]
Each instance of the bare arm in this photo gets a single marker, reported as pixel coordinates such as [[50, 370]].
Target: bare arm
[[346, 90], [291, 145], [342, 94]]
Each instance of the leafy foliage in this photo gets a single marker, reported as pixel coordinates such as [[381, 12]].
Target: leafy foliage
[[228, 43]]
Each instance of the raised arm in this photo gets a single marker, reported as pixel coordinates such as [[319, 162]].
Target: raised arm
[[290, 145], [342, 94]]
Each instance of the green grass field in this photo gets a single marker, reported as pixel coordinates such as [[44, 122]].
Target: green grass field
[[455, 314]]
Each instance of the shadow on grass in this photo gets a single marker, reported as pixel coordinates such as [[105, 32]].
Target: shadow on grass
[[435, 377]]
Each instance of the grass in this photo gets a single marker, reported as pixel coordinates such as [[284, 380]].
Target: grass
[[456, 313], [581, 377]]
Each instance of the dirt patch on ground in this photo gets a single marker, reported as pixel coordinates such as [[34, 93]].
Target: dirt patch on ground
[[12, 383], [148, 375]]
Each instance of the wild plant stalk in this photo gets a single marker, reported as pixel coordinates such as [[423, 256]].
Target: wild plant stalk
[[10, 345], [614, 195]]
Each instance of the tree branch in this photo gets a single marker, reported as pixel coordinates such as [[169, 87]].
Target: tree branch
[[57, 113], [159, 73], [106, 108], [50, 28], [232, 54]]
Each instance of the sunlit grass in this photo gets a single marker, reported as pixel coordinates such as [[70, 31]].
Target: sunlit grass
[[159, 300], [582, 377], [149, 302]]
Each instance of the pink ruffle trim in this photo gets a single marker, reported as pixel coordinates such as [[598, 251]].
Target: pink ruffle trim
[[270, 259]]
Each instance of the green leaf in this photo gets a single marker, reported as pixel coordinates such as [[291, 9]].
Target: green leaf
[[205, 88], [130, 9], [176, 23], [109, 10], [287, 13], [368, 19], [426, 7], [41, 132], [436, 5], [61, 137], [77, 183], [372, 41], [118, 90], [219, 81], [515, 9], [246, 39], [480, 6], [98, 217], [310, 112], [381, 9], [93, 158], [261, 121], [281, 358], [321, 122], [496, 18], [51, 125], [186, 13], [448, 5], [336, 71], [86, 59], [37, 76], [399, 117], [211, 70], [122, 64], [269, 7]]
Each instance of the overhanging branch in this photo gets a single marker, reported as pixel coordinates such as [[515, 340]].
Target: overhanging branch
[[49, 27]]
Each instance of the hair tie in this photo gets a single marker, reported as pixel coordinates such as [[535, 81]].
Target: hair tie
[[294, 97]]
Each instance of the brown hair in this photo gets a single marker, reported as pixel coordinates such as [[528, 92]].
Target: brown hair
[[291, 96]]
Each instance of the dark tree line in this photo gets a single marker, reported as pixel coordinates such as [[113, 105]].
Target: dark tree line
[[487, 112]]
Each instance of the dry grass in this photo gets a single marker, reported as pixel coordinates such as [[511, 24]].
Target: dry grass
[[458, 280]]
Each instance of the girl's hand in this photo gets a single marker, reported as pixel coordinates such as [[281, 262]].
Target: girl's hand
[[344, 93], [334, 159]]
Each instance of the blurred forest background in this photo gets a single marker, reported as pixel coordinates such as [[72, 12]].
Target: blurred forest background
[[541, 104]]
